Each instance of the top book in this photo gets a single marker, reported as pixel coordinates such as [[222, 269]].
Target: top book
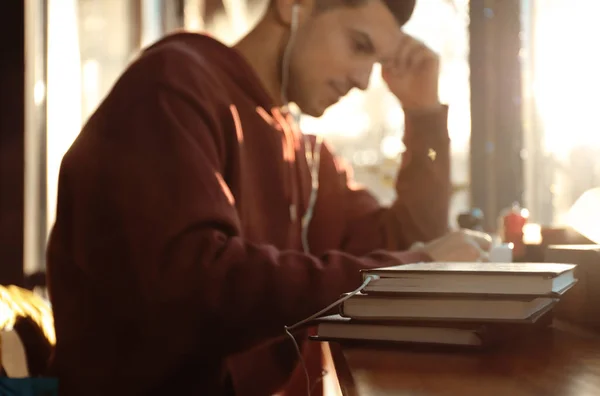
[[524, 279]]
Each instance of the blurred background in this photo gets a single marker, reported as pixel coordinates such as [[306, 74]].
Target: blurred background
[[520, 76]]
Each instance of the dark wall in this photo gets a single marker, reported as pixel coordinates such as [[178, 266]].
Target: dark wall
[[496, 115], [12, 139]]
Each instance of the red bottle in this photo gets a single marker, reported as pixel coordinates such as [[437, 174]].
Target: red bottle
[[511, 223]]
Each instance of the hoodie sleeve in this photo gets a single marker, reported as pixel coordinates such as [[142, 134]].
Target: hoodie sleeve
[[420, 210], [171, 230]]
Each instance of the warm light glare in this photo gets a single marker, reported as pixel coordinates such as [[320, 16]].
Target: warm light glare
[[567, 80], [91, 85], [64, 90], [532, 234], [584, 216], [39, 92], [392, 147], [192, 18]]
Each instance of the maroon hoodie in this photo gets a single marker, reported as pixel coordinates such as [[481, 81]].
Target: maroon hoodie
[[174, 245]]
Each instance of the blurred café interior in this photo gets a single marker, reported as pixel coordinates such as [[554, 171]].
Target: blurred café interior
[[521, 79]]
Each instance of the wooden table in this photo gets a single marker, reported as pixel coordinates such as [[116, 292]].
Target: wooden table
[[564, 360]]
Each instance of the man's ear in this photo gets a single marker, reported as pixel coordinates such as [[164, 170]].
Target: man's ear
[[285, 9]]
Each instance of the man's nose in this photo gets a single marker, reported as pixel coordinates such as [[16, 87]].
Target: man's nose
[[361, 76]]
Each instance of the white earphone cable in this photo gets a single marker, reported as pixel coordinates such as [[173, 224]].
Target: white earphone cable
[[287, 53], [289, 329], [313, 159]]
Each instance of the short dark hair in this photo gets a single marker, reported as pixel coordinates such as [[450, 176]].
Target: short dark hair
[[401, 9]]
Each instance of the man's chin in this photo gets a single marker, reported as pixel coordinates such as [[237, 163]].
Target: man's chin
[[314, 113], [314, 109]]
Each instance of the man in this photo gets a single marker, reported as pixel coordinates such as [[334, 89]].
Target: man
[[178, 239]]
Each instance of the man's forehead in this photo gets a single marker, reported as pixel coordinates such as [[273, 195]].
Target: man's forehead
[[387, 44], [376, 21]]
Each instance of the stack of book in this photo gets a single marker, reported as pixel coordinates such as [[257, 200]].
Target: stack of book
[[471, 304]]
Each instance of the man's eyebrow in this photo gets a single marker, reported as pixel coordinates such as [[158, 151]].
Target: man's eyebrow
[[367, 42], [364, 39]]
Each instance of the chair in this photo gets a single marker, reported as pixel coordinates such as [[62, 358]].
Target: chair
[[27, 333]]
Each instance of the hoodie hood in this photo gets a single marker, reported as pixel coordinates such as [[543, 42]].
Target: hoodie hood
[[225, 62]]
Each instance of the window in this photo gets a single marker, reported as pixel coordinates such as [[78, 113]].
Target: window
[[561, 85], [89, 44]]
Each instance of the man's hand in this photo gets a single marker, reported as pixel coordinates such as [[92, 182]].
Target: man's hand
[[460, 246], [413, 76]]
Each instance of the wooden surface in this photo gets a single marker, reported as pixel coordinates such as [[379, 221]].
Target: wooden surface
[[564, 360]]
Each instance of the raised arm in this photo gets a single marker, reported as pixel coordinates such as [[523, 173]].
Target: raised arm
[[420, 211]]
